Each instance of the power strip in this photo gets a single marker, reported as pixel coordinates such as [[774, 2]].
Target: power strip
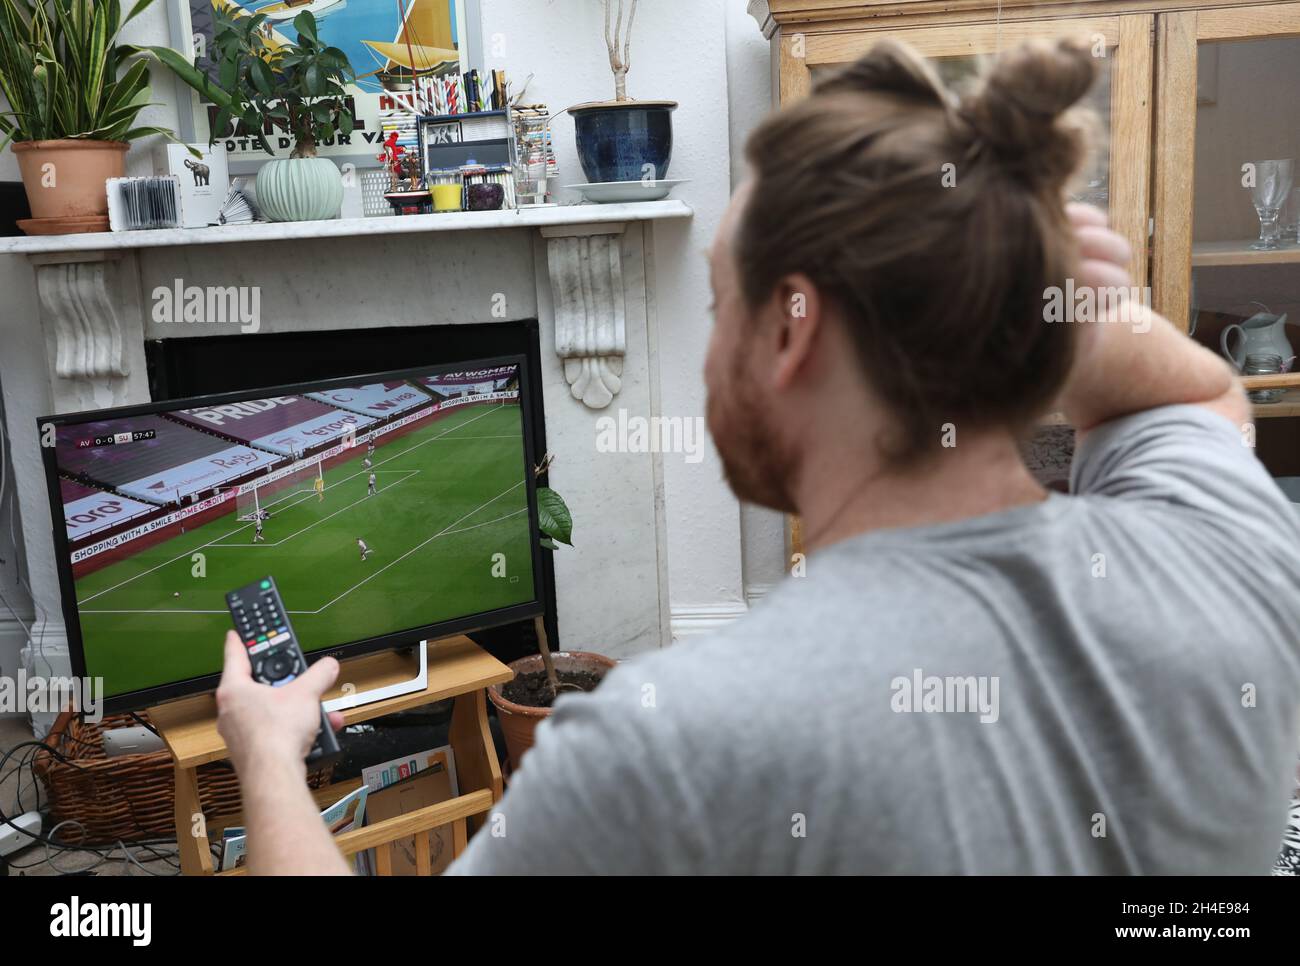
[[12, 839]]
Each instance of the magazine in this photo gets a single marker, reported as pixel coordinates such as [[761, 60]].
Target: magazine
[[347, 813], [398, 769]]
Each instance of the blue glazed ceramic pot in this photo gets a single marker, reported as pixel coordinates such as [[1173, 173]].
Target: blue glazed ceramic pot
[[624, 140]]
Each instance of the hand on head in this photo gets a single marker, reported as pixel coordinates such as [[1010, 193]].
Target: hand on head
[[262, 725], [1104, 254], [1104, 259]]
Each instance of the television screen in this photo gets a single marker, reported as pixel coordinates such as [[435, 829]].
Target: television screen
[[389, 508]]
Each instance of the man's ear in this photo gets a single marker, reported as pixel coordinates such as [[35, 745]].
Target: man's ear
[[797, 306]]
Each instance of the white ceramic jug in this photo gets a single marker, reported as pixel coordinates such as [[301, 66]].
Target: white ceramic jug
[[1261, 333]]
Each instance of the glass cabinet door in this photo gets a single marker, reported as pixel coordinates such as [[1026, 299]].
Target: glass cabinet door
[[1226, 253], [1118, 178]]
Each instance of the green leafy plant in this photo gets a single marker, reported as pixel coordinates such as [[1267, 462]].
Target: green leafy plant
[[297, 88], [553, 518], [556, 524], [65, 76]]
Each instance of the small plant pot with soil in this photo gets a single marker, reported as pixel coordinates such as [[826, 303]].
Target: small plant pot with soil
[[524, 702]]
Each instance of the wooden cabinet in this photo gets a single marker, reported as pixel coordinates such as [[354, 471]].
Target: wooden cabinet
[[1229, 85], [1194, 94], [810, 37]]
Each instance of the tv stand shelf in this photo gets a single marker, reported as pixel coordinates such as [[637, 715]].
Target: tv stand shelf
[[458, 668]]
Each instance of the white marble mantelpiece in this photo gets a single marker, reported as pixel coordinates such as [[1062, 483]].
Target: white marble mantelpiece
[[88, 288], [81, 346], [295, 231]]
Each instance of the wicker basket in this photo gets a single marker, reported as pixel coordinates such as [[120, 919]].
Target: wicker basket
[[129, 797]]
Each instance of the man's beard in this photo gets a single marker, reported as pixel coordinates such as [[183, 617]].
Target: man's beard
[[758, 468]]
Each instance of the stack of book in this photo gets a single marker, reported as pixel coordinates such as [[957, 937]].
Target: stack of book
[[536, 152]]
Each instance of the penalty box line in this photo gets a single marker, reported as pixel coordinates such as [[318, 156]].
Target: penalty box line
[[407, 474], [375, 466]]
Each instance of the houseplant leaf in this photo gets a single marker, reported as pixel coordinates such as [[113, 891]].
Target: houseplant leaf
[[553, 516], [305, 24], [63, 73]]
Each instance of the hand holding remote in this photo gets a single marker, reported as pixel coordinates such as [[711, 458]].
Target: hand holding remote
[[270, 727], [286, 719]]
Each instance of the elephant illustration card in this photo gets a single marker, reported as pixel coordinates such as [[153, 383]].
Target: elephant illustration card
[[204, 181]]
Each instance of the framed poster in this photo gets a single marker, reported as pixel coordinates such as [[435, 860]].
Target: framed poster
[[382, 38]]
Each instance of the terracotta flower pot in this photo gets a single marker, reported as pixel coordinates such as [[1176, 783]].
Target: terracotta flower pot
[[66, 179], [519, 721]]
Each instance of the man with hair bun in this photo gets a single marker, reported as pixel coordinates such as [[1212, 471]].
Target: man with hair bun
[[975, 675]]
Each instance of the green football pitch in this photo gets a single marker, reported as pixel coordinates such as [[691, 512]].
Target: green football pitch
[[450, 496]]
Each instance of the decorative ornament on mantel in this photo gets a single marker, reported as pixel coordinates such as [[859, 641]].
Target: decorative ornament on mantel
[[90, 311], [586, 270], [299, 89]]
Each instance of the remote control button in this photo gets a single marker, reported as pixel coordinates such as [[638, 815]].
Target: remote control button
[[276, 667]]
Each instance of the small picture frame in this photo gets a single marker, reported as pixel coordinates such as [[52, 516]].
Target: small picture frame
[[450, 132]]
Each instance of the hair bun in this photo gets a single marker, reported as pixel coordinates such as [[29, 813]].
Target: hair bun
[[890, 68], [1020, 109]]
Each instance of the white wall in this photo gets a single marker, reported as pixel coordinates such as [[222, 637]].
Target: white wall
[[680, 51], [749, 94], [20, 339], [16, 305]]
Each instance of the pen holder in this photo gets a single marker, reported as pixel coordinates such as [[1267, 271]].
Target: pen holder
[[446, 197]]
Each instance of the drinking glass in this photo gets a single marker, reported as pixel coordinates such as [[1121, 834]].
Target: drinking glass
[[1272, 185], [1289, 231], [1264, 364]]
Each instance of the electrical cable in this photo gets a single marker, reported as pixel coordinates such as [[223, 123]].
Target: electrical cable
[[40, 746], [105, 853], [144, 724]]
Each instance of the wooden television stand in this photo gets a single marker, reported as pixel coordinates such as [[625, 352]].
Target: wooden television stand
[[458, 668]]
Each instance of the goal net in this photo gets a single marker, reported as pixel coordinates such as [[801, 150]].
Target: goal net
[[279, 493]]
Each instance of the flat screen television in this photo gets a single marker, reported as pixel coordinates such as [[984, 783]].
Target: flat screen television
[[390, 508]]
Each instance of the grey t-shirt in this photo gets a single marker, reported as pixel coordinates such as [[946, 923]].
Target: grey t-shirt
[[1100, 683]]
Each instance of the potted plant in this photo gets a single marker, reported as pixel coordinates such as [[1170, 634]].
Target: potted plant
[[298, 88], [524, 702], [73, 95], [623, 139]]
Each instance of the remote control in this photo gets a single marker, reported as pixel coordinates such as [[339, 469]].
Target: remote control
[[262, 624]]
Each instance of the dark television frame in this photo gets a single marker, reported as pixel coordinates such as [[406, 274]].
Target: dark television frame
[[397, 640]]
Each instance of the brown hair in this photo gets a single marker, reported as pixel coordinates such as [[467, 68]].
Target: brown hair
[[941, 286]]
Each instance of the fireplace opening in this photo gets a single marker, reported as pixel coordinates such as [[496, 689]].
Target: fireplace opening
[[188, 367]]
